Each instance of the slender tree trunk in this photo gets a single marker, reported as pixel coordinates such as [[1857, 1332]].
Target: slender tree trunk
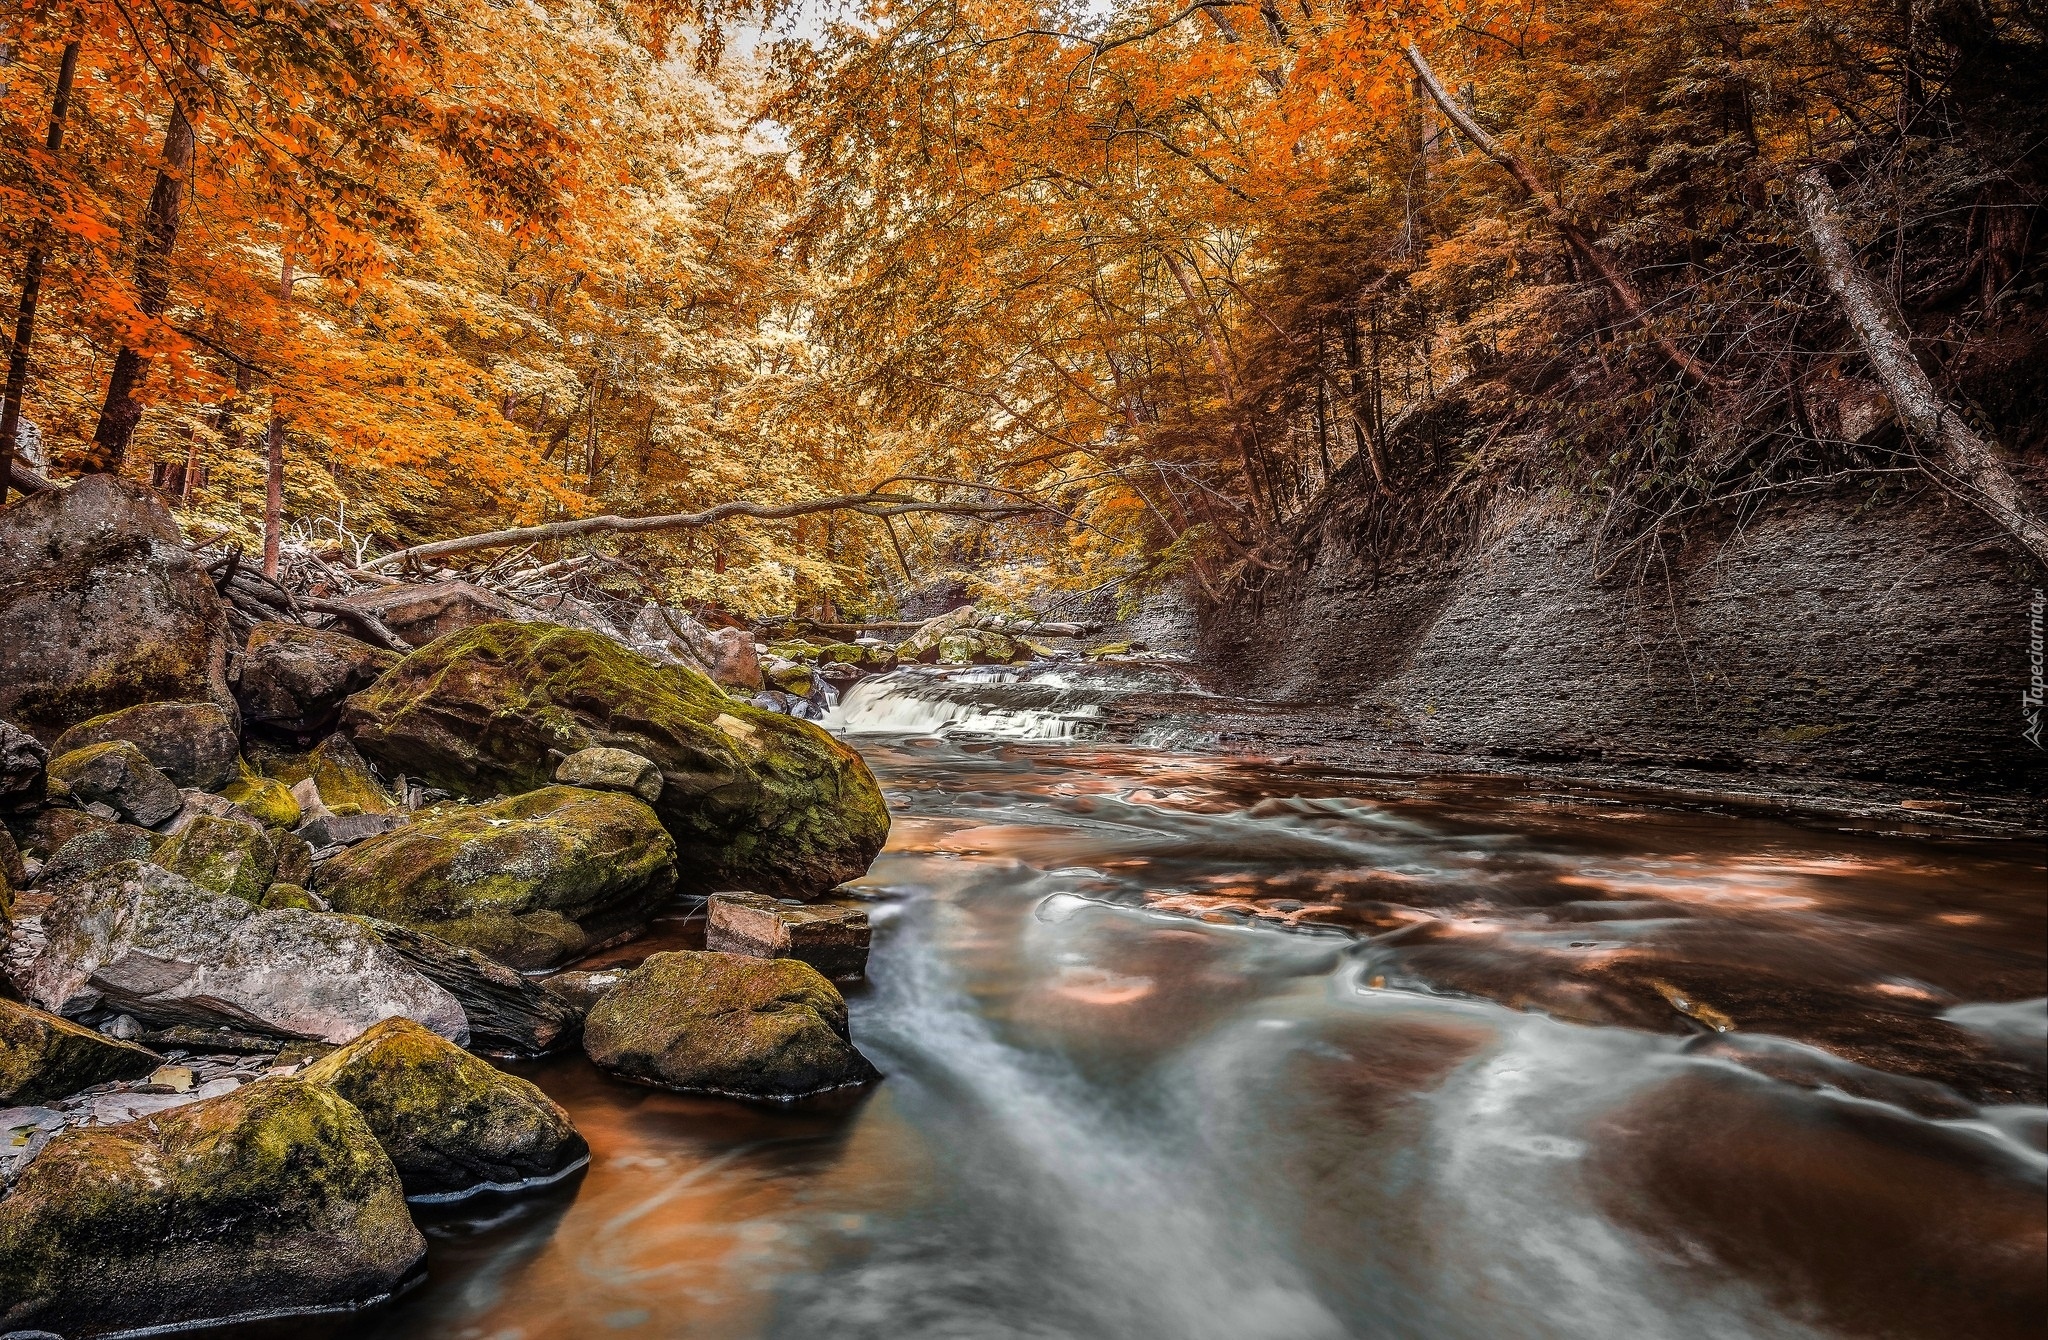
[[1575, 236], [31, 286], [273, 491], [1962, 459], [122, 411]]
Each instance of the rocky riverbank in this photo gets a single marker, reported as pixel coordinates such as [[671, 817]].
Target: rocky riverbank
[[267, 890]]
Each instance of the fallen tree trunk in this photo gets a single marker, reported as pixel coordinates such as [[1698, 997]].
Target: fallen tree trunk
[[1963, 459], [866, 504], [1576, 237]]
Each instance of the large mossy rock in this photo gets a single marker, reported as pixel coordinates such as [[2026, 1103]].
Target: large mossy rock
[[161, 948], [530, 881], [224, 856], [44, 1058], [722, 1023], [453, 1124], [117, 774], [273, 1198], [194, 744], [294, 678], [753, 799], [102, 607]]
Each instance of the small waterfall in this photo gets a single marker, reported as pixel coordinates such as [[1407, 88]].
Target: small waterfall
[[1040, 701]]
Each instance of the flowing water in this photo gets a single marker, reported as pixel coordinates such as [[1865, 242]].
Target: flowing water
[[1188, 1047]]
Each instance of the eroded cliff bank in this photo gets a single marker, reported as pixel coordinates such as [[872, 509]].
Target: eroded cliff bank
[[1821, 638]]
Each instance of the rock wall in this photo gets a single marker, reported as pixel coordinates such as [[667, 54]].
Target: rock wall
[[1817, 639]]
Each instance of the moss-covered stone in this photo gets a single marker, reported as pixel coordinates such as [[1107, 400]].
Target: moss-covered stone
[[267, 798], [294, 678], [224, 856], [338, 772], [288, 895], [117, 774], [721, 1023], [753, 799], [788, 677], [530, 881], [274, 1197], [452, 1123], [194, 744], [44, 1058]]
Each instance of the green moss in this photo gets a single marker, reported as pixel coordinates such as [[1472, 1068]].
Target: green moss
[[276, 1195], [287, 895], [222, 855], [521, 880], [44, 1058], [267, 799], [1801, 734], [448, 1120], [753, 799]]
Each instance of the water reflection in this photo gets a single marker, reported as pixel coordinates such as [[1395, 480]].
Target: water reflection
[[1195, 1049]]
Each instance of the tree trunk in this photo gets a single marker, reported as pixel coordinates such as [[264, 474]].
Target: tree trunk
[[122, 411], [31, 286], [1965, 461], [273, 489], [1575, 237]]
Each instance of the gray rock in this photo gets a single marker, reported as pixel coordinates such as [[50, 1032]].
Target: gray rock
[[103, 607], [509, 1015], [159, 947], [294, 677], [606, 769], [206, 805], [117, 774], [93, 851], [274, 1197], [830, 936], [332, 832], [721, 1023], [672, 637], [22, 762], [194, 744]]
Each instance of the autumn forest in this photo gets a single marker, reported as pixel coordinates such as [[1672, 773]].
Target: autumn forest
[[1120, 289]]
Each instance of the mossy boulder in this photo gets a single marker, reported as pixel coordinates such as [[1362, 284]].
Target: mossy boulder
[[118, 775], [272, 1198], [452, 1123], [224, 856], [103, 607], [723, 1023], [530, 880], [194, 744], [268, 799], [44, 1058], [791, 677], [753, 799], [342, 781]]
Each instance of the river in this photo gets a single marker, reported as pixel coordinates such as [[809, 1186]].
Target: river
[[1184, 1046]]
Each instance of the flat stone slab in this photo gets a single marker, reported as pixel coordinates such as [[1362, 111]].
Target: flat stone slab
[[830, 936]]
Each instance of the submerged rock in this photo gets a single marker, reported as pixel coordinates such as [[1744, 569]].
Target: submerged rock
[[603, 769], [273, 1198], [831, 936], [530, 881], [103, 607], [117, 774], [161, 948], [194, 744], [752, 799], [451, 1123], [720, 1023], [43, 1057], [294, 678]]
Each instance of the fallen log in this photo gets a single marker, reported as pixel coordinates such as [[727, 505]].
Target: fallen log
[[1965, 461]]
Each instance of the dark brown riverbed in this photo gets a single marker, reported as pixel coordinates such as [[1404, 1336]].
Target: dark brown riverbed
[[1186, 1046]]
